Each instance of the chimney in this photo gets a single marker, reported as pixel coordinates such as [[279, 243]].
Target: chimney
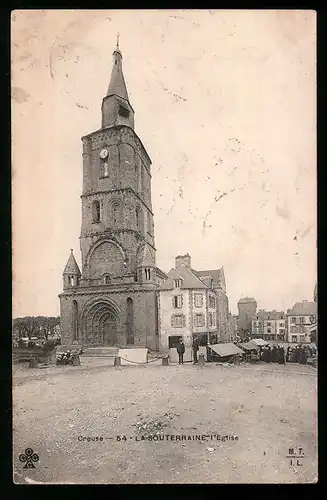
[[183, 260]]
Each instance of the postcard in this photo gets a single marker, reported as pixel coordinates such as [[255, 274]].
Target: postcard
[[165, 326]]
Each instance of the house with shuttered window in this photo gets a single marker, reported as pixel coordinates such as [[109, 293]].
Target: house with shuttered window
[[192, 303], [301, 319]]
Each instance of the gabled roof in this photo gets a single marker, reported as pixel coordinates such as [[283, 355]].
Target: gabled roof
[[189, 279], [72, 266], [161, 273], [217, 276], [304, 308]]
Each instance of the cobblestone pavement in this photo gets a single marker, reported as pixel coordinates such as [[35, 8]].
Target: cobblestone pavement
[[269, 408]]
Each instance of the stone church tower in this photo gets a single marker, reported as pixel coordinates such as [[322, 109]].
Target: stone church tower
[[113, 301]]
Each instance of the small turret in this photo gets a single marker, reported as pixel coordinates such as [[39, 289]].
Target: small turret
[[146, 270], [71, 274]]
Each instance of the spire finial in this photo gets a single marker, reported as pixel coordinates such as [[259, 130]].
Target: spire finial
[[118, 40], [71, 250]]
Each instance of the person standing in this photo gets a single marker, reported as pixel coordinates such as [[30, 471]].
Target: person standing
[[297, 353], [180, 349], [288, 354], [268, 354], [281, 356], [302, 356], [263, 356], [195, 348], [274, 354]]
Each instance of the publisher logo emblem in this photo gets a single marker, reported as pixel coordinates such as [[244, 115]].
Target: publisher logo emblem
[[29, 458]]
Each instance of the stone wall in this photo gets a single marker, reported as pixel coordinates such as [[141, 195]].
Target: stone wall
[[145, 315]]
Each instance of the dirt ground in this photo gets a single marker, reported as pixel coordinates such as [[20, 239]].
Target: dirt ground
[[269, 408]]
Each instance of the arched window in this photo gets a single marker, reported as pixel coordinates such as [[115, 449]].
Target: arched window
[[115, 214], [106, 279], [96, 211], [75, 320], [142, 179], [149, 224], [137, 215], [72, 280], [136, 178], [105, 169], [147, 274]]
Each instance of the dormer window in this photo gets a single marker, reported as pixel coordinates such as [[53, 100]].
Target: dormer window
[[178, 283], [72, 281], [124, 112]]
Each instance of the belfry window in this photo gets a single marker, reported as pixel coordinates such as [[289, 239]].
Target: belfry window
[[147, 274], [138, 219], [96, 211], [115, 213], [124, 112], [105, 169]]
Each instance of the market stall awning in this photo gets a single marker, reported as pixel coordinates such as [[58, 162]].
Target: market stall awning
[[225, 349], [259, 342], [249, 346]]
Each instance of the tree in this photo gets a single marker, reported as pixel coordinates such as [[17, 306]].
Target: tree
[[37, 326], [25, 327]]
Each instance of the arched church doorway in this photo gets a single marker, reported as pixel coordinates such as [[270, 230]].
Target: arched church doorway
[[101, 325]]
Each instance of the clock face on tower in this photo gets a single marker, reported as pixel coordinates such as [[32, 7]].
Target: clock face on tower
[[103, 153]]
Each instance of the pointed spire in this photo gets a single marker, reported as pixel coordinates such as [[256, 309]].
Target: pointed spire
[[117, 85], [72, 266]]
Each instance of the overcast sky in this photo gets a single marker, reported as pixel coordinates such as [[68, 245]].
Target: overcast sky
[[225, 104]]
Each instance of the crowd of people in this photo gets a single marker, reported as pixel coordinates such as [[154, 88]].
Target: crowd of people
[[300, 353], [294, 354], [274, 354]]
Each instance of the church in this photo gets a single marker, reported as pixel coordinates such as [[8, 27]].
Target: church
[[113, 300]]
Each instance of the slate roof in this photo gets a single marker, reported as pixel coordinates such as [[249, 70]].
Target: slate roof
[[72, 266], [189, 279], [216, 274], [304, 308], [161, 273], [270, 315], [117, 85]]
